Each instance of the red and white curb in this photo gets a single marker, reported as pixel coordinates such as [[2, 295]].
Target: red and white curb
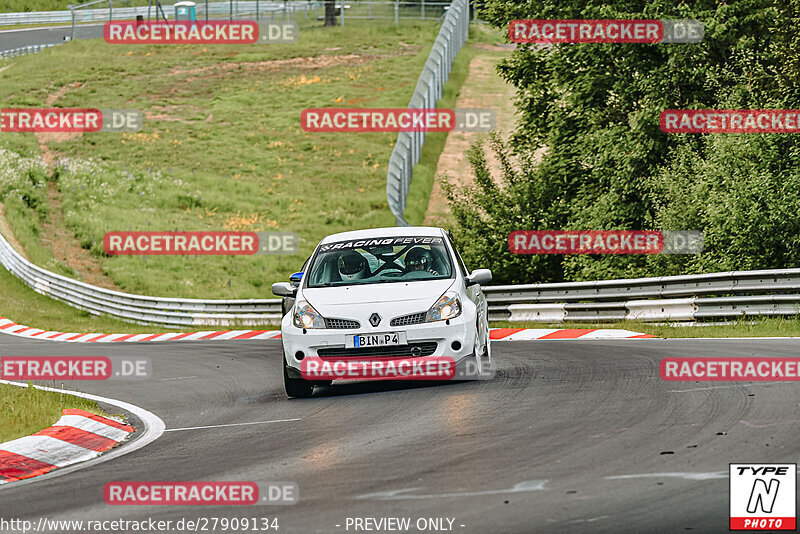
[[528, 334], [7, 326], [76, 437]]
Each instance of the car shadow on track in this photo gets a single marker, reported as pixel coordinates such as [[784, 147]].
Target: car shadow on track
[[377, 386]]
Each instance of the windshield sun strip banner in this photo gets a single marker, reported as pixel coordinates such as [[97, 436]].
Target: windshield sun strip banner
[[381, 241]]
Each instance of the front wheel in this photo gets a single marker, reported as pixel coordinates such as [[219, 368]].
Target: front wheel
[[295, 387], [477, 359], [487, 350]]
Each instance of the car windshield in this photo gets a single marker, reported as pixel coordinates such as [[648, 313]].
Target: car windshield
[[380, 260]]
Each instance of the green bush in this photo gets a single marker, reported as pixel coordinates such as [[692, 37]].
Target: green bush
[[594, 109]]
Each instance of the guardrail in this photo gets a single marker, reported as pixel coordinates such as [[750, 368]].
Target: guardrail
[[139, 308], [21, 51], [408, 147], [127, 13], [669, 298]]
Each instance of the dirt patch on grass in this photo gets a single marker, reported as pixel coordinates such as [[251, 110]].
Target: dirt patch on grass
[[483, 88], [56, 237], [44, 138], [60, 240], [310, 62], [495, 47], [168, 113]]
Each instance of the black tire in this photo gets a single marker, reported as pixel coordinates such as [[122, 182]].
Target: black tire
[[296, 387]]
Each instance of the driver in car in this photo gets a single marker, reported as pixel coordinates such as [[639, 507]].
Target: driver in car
[[420, 259], [352, 266]]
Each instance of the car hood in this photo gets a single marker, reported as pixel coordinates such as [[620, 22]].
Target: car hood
[[390, 299]]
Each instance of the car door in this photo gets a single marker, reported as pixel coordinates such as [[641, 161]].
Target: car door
[[473, 293]]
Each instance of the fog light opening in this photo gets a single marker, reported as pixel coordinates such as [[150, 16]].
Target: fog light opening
[[456, 345], [299, 355]]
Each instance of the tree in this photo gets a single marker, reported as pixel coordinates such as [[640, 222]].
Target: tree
[[330, 13], [607, 165]]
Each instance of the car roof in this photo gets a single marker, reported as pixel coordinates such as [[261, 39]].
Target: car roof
[[391, 231]]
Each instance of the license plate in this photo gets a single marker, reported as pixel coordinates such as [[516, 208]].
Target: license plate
[[375, 340]]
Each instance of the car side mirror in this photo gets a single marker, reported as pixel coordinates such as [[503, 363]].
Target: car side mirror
[[283, 289], [479, 276], [295, 278]]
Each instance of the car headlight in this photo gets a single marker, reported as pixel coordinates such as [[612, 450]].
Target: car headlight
[[305, 316], [447, 307]]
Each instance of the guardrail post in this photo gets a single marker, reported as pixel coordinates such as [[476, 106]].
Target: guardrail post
[[396, 11], [72, 33]]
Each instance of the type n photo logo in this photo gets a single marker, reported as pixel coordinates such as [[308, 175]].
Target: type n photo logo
[[763, 496]]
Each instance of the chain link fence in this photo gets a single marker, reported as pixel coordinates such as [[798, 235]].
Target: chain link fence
[[408, 148]]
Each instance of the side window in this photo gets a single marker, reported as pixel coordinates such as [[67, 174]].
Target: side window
[[462, 267]]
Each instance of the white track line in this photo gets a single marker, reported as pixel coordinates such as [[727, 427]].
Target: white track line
[[232, 424]]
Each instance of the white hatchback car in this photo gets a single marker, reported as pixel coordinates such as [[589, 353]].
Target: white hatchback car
[[408, 284]]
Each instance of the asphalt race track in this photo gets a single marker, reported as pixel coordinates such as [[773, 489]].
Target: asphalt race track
[[53, 35], [571, 436]]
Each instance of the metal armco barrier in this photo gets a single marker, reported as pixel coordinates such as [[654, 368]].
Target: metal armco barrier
[[14, 52], [408, 148], [669, 298], [128, 13], [139, 308]]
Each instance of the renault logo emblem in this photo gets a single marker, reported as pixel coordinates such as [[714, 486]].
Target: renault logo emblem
[[374, 319]]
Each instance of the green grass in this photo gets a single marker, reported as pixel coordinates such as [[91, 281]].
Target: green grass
[[755, 327], [21, 6], [22, 305], [384, 10], [224, 150], [24, 411]]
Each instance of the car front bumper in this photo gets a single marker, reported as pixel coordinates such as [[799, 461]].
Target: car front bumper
[[455, 340]]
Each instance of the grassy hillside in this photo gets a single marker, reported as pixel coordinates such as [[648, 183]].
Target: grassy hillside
[[221, 149]]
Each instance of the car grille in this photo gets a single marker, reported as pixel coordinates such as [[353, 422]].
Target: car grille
[[426, 349], [341, 323], [404, 320]]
